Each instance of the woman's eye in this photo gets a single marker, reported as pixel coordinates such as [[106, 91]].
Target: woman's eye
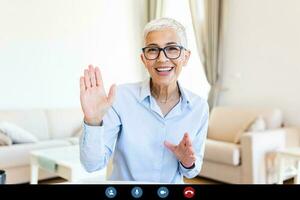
[[172, 48], [152, 50]]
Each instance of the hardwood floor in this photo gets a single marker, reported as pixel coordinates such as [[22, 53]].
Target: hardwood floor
[[196, 180], [53, 181], [200, 180]]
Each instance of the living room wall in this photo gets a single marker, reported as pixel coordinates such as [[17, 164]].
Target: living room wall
[[45, 45], [260, 55]]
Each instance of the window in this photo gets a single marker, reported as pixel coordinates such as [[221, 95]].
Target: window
[[192, 76]]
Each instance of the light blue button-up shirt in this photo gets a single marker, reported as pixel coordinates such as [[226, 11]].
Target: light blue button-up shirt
[[134, 130]]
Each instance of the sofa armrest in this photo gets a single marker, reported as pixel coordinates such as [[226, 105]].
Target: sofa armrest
[[255, 146]]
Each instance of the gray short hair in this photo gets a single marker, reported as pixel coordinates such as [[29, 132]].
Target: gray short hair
[[163, 23]]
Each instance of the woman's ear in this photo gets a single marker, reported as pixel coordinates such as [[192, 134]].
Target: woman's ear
[[187, 55], [143, 59]]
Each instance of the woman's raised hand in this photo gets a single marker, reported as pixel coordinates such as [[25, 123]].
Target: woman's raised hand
[[93, 98]]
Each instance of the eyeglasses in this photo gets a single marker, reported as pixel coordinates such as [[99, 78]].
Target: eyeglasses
[[171, 52]]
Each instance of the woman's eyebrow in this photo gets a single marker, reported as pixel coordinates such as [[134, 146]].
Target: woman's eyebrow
[[169, 43], [152, 44]]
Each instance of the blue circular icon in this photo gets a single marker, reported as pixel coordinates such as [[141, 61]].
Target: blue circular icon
[[110, 192], [162, 192], [136, 192]]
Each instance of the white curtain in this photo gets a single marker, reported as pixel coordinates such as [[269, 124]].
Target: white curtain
[[206, 22], [154, 9]]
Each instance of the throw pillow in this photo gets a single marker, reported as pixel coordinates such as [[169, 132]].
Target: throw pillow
[[273, 118], [258, 125], [78, 132], [5, 140], [17, 134]]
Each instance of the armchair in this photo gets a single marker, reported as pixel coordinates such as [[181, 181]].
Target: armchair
[[238, 141]]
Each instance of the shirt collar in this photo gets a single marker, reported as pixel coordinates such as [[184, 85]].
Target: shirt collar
[[145, 92]]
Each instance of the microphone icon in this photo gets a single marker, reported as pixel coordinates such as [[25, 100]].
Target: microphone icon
[[136, 192]]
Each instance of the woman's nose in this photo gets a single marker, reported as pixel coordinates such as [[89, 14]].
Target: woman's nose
[[162, 57]]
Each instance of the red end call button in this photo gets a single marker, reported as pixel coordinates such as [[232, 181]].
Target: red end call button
[[189, 192]]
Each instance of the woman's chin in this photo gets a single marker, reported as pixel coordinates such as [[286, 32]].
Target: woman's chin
[[164, 81]]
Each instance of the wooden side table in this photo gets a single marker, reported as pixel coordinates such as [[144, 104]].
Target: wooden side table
[[284, 155]]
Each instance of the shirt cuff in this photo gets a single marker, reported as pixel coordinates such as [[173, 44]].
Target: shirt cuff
[[191, 167], [86, 124], [190, 172]]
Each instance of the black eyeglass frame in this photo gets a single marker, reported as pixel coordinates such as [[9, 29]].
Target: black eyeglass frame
[[163, 49]]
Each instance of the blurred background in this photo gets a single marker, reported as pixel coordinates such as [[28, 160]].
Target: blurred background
[[45, 46]]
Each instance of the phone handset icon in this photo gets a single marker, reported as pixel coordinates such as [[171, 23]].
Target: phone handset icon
[[189, 192]]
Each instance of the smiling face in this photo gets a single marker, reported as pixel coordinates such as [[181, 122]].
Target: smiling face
[[164, 71]]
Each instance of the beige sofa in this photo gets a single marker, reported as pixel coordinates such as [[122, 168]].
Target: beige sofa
[[52, 127], [239, 142]]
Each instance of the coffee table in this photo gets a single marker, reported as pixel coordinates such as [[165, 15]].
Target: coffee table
[[64, 162]]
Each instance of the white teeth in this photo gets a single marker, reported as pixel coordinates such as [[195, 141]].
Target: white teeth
[[164, 69]]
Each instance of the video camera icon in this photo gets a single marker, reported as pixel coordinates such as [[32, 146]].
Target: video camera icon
[[162, 192]]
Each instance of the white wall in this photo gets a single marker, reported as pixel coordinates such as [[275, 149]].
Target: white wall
[[261, 55], [45, 45]]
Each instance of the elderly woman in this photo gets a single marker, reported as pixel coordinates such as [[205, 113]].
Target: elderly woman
[[155, 129]]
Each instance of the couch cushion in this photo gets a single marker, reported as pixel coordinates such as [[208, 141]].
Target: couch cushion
[[19, 154], [17, 134], [64, 122], [73, 140], [34, 121], [228, 123], [222, 152]]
